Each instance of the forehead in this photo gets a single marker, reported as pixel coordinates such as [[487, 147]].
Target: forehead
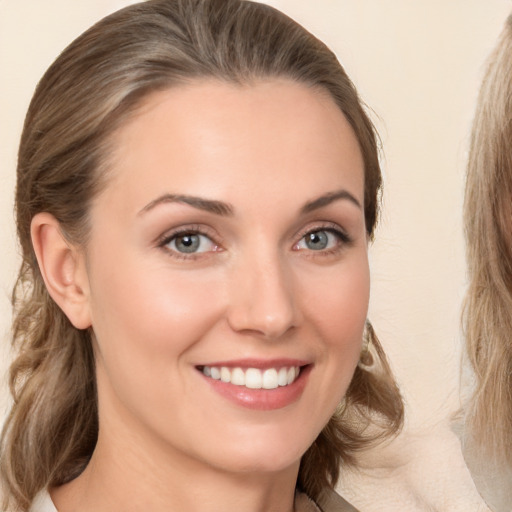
[[201, 132], [219, 101]]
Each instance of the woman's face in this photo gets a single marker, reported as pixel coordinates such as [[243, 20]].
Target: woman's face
[[228, 274]]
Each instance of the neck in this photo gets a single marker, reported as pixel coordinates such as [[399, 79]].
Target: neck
[[141, 475]]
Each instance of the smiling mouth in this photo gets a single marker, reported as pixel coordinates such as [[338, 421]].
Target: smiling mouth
[[253, 378]]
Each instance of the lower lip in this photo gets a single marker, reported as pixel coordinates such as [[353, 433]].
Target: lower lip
[[262, 399]]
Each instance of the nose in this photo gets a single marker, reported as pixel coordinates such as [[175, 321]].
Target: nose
[[262, 299]]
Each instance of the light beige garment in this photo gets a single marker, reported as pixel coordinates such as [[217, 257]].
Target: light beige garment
[[492, 481], [420, 471], [43, 503], [329, 502]]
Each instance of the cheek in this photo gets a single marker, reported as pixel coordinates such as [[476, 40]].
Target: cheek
[[340, 308], [145, 314], [337, 308], [339, 303], [146, 320]]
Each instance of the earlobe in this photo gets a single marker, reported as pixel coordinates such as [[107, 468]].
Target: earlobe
[[63, 269]]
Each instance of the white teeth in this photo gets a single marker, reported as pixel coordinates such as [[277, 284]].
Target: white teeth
[[254, 378], [282, 377], [270, 379], [225, 374], [238, 377]]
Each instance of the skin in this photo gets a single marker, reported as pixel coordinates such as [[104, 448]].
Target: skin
[[167, 440]]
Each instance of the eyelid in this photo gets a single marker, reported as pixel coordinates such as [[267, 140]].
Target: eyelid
[[344, 240], [193, 229], [325, 226], [200, 229]]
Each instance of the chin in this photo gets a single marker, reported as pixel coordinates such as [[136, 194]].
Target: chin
[[261, 464], [264, 454]]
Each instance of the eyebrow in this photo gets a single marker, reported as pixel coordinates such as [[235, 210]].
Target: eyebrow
[[208, 205], [227, 210], [329, 198]]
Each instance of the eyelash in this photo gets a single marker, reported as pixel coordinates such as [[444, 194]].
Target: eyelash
[[344, 240], [187, 230]]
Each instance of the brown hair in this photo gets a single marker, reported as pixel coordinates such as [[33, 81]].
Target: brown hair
[[488, 228], [63, 160]]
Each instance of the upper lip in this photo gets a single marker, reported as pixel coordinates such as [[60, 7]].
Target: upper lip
[[258, 363]]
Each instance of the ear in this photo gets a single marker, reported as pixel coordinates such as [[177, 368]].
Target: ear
[[63, 269]]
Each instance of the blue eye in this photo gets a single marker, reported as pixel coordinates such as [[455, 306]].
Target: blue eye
[[190, 243], [319, 240]]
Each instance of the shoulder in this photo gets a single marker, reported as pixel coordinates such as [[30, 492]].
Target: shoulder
[[328, 501]]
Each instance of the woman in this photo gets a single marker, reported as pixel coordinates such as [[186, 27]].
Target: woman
[[488, 304], [189, 325]]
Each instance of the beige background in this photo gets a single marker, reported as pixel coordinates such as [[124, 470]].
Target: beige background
[[417, 64]]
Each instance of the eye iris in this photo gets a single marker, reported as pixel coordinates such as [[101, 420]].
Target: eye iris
[[187, 243], [317, 240]]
